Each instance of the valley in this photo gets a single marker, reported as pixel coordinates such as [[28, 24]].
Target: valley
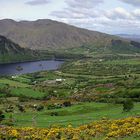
[[95, 90], [80, 92]]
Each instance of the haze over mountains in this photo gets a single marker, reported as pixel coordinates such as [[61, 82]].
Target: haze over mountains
[[130, 37]]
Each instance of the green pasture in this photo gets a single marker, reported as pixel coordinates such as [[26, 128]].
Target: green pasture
[[76, 115]]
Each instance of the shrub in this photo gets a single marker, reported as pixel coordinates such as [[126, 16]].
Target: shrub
[[67, 103], [2, 116], [54, 114], [128, 105], [10, 108], [8, 122], [134, 93], [22, 99], [54, 106], [5, 90], [39, 107], [21, 108]]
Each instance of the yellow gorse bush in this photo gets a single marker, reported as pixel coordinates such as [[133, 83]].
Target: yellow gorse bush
[[107, 129]]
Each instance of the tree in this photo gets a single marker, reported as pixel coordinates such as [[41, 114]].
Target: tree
[[67, 104], [1, 116], [39, 107], [128, 105]]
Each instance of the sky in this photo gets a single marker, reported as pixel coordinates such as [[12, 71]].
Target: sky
[[109, 16]]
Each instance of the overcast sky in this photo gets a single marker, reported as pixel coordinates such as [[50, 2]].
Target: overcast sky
[[110, 16]]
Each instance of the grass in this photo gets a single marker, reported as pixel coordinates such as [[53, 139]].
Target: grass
[[102, 89], [22, 79], [76, 115], [12, 83], [82, 77], [123, 62], [27, 92]]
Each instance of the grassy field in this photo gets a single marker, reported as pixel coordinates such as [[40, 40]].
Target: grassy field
[[76, 115], [13, 83], [27, 92], [95, 88], [134, 61]]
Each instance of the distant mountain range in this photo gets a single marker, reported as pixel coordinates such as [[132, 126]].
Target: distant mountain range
[[49, 35], [131, 37]]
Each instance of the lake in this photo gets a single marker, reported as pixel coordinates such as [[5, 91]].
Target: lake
[[29, 67]]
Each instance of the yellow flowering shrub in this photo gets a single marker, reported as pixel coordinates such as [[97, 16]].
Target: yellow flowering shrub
[[104, 128]]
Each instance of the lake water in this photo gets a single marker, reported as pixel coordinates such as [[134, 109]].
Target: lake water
[[29, 67]]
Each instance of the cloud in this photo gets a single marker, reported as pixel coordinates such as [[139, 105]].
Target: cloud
[[75, 14], [37, 2], [123, 20], [90, 14], [83, 4], [80, 13], [118, 13], [132, 2], [136, 13], [78, 9]]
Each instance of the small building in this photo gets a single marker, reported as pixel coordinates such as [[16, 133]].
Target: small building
[[59, 80], [14, 76], [101, 60]]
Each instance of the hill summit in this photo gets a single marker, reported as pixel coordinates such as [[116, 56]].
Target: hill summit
[[48, 34], [45, 34]]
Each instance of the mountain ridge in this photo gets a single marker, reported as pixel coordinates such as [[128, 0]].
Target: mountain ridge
[[45, 34], [58, 37]]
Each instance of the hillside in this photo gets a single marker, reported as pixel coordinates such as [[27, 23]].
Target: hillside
[[12, 52], [46, 34], [9, 47]]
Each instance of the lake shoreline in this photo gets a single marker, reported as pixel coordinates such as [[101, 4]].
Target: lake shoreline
[[57, 59], [30, 67]]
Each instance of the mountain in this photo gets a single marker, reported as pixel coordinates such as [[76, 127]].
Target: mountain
[[48, 34], [45, 34], [9, 47], [131, 37], [12, 52]]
